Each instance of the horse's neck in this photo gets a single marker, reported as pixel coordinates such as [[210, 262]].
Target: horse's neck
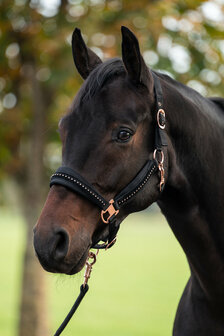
[[193, 197], [196, 135]]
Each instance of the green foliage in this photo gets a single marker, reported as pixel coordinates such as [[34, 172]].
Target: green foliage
[[184, 38]]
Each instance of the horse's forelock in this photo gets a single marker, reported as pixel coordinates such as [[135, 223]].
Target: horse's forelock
[[103, 73]]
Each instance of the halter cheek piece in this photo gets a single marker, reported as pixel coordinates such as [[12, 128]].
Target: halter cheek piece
[[70, 179]]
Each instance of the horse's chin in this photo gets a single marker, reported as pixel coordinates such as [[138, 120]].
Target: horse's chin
[[79, 265], [69, 266]]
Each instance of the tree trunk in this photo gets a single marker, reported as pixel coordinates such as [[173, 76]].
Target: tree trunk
[[33, 311]]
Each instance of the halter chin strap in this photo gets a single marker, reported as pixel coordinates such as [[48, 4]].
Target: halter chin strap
[[70, 179]]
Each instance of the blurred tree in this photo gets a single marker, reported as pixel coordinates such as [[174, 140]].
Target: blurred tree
[[183, 38], [27, 44]]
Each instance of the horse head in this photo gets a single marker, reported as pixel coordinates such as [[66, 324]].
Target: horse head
[[108, 135]]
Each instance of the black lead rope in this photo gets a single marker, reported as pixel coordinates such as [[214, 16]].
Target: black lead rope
[[83, 291], [72, 180]]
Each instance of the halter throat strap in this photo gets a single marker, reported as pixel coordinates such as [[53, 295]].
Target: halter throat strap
[[72, 180]]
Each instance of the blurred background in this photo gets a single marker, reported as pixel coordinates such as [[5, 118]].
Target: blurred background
[[136, 286]]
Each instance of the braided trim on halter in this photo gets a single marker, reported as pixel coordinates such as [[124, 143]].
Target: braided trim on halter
[[133, 193], [76, 181]]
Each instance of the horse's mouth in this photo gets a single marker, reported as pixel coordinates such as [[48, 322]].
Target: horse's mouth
[[80, 264], [100, 236], [64, 267]]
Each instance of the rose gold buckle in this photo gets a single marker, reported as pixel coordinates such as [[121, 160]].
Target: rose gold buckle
[[110, 210], [161, 111]]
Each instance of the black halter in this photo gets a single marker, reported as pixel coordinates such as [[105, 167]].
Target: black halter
[[70, 179]]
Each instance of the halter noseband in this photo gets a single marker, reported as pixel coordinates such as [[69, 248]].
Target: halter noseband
[[70, 179]]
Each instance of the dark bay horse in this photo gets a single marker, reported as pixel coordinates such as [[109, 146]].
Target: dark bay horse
[[108, 136]]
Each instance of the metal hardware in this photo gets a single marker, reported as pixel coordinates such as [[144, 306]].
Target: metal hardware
[[111, 243], [160, 166], [162, 179], [110, 210], [89, 266], [155, 156], [159, 113]]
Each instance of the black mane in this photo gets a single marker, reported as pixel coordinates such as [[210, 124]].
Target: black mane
[[113, 68]]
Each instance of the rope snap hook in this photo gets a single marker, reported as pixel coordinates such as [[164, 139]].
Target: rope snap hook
[[89, 266]]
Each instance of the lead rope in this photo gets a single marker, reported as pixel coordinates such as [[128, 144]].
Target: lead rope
[[83, 290]]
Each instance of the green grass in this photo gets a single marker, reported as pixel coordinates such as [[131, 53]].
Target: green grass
[[11, 246], [134, 288]]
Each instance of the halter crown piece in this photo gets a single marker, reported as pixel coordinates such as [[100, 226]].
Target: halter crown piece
[[70, 179]]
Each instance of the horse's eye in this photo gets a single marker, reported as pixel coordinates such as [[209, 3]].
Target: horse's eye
[[124, 135]]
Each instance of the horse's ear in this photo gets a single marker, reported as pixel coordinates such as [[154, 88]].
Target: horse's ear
[[133, 60], [85, 59]]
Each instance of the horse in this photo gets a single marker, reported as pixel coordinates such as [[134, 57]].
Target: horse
[[108, 140]]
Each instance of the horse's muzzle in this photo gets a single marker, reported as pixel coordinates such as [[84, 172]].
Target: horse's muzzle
[[54, 255]]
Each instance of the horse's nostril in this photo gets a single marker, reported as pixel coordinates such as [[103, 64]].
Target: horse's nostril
[[61, 245]]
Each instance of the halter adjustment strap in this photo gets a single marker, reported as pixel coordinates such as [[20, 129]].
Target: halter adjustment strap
[[160, 136]]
